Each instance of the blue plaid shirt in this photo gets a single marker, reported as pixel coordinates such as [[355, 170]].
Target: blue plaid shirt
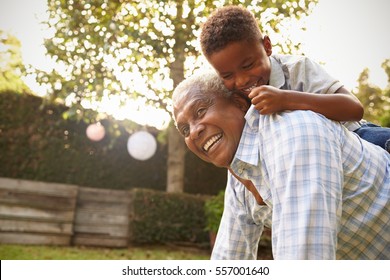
[[326, 190]]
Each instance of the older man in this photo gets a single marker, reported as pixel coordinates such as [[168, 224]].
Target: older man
[[323, 190]]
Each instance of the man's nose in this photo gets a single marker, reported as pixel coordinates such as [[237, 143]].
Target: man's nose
[[196, 131]]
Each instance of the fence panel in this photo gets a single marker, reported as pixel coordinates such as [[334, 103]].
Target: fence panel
[[102, 218], [36, 212]]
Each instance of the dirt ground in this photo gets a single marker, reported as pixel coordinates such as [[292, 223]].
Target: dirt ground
[[265, 253]]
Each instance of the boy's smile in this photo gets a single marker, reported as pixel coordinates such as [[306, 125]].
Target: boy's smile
[[243, 65]]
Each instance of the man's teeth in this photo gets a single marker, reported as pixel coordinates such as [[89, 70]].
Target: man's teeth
[[212, 141]]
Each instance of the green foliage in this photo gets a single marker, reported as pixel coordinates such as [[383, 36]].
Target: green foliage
[[11, 66], [137, 49], [213, 209], [376, 101], [167, 217], [385, 119], [37, 144]]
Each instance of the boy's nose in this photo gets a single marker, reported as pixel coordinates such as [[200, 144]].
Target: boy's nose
[[241, 81]]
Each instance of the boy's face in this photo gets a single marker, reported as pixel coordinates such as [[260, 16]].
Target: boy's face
[[211, 125], [243, 65]]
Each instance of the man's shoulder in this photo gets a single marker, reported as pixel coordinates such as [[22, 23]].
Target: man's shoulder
[[293, 116], [304, 121], [296, 129]]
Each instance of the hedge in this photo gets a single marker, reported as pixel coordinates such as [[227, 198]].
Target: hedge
[[36, 143], [159, 217]]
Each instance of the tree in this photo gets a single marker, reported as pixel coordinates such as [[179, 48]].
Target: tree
[[11, 65], [385, 118], [376, 101], [139, 50]]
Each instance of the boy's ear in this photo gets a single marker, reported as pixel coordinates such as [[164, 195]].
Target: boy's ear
[[242, 102], [267, 45]]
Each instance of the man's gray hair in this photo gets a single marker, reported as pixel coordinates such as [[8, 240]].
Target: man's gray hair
[[204, 81]]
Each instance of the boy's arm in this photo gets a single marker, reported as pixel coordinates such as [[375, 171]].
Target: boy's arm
[[341, 106]]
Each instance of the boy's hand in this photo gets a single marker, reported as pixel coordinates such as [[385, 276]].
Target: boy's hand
[[268, 99]]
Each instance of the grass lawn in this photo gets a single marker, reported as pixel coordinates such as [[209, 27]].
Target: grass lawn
[[37, 252]]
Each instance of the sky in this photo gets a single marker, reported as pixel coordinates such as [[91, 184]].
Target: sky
[[347, 36]]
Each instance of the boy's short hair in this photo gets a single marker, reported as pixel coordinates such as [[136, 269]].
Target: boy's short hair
[[226, 25]]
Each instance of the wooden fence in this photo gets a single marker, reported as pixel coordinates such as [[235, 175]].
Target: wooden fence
[[102, 218], [36, 212], [56, 214]]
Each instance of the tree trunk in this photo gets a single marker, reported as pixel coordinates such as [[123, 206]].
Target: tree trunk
[[176, 145], [175, 162]]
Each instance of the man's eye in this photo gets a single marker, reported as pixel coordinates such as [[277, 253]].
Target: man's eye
[[184, 131], [200, 111]]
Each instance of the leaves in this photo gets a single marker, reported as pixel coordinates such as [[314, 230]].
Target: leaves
[[376, 101], [213, 210], [11, 66], [135, 48]]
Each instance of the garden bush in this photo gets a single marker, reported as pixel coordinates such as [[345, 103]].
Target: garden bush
[[160, 217]]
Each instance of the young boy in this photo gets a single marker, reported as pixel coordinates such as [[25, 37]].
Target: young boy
[[233, 44]]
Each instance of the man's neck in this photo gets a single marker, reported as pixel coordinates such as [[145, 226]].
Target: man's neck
[[250, 187]]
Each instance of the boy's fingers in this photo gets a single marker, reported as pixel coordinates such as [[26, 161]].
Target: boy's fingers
[[258, 108], [255, 92]]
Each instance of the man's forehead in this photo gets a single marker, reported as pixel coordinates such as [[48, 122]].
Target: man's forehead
[[193, 97], [182, 101]]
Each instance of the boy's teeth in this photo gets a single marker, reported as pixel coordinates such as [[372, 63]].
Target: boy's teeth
[[250, 88]]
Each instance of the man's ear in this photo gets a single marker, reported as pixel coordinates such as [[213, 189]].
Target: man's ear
[[242, 102]]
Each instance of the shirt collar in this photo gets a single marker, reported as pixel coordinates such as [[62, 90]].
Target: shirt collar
[[252, 119], [277, 78], [248, 148]]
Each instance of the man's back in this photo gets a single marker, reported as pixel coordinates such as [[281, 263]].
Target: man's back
[[325, 185]]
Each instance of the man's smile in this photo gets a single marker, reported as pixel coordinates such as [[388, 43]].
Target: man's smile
[[211, 142]]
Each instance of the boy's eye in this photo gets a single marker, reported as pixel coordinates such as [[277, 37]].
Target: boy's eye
[[226, 77], [248, 66]]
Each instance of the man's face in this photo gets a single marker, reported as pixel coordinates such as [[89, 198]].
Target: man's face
[[243, 65], [211, 125]]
